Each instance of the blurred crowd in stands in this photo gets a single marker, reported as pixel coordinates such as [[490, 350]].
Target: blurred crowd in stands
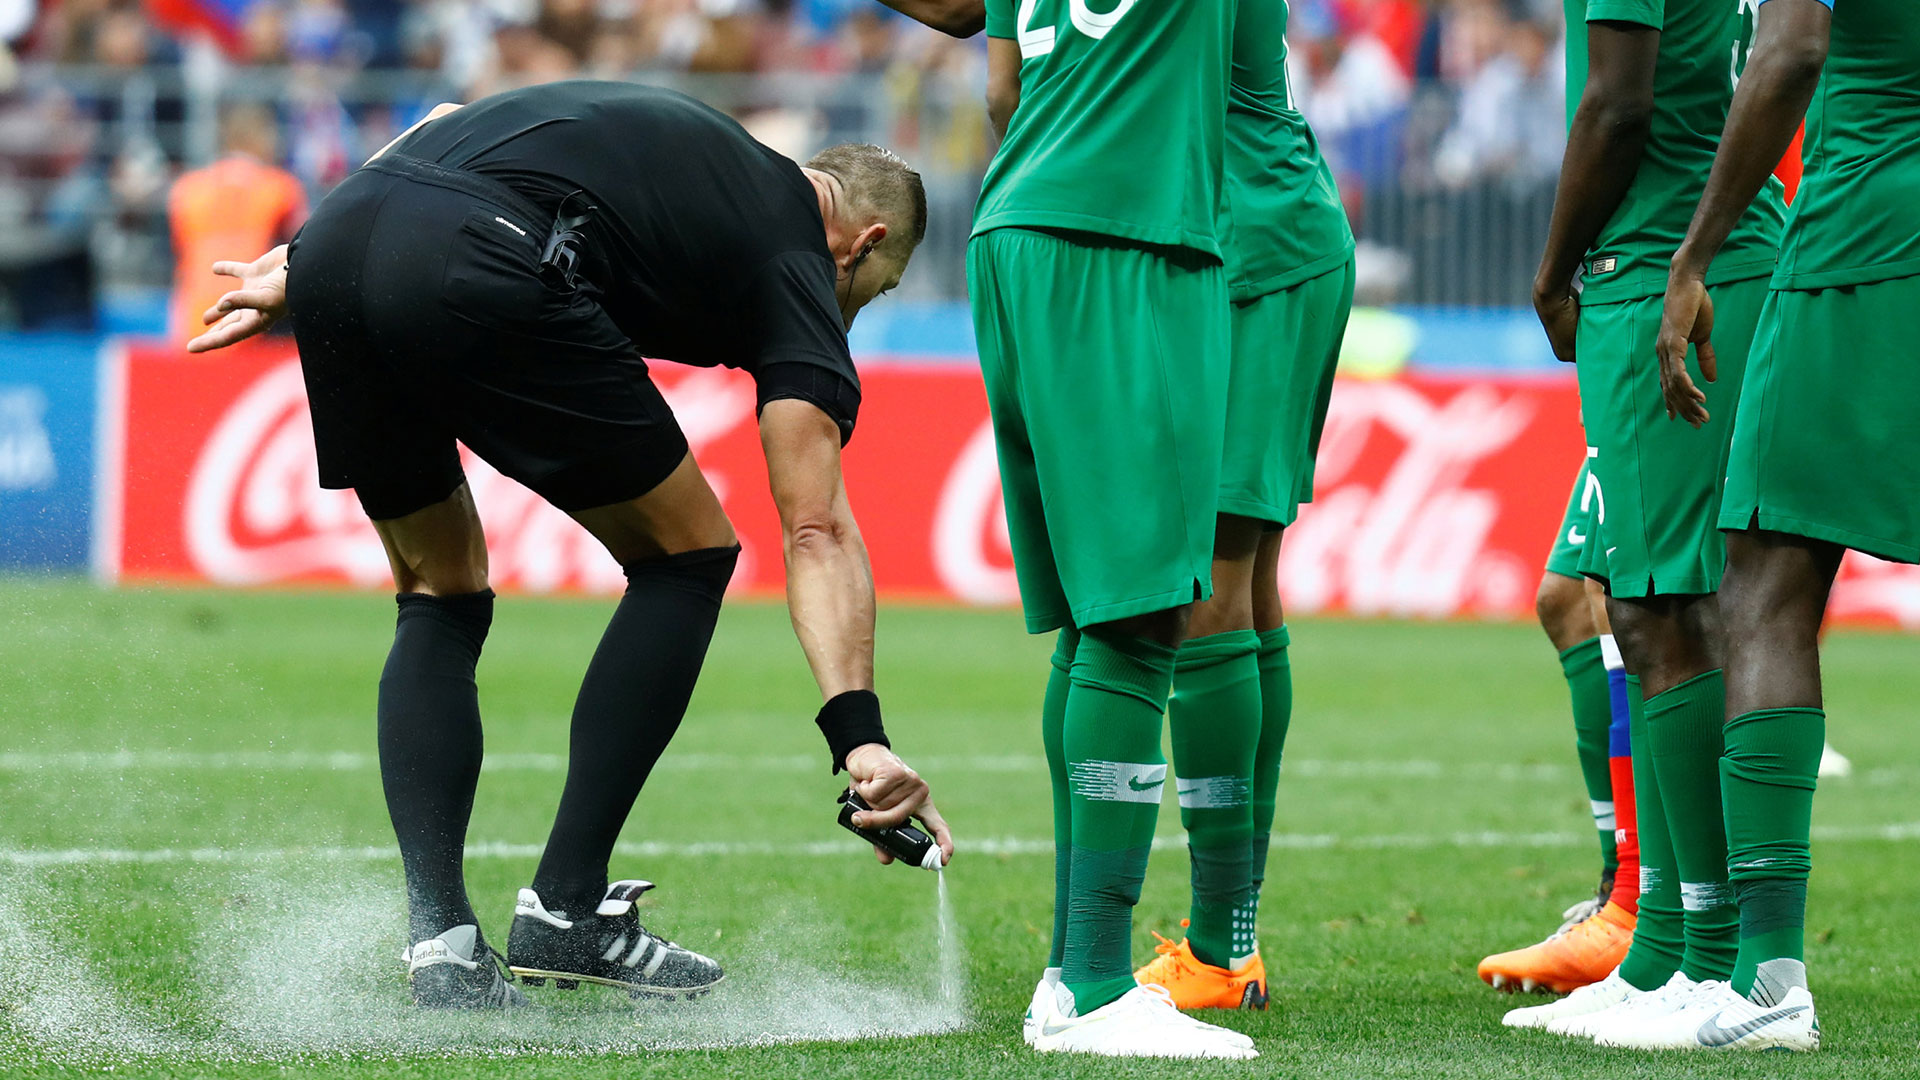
[[104, 103]]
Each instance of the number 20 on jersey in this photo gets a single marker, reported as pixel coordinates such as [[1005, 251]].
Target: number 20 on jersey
[[1038, 40]]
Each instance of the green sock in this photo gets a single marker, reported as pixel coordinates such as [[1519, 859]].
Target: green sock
[[1686, 725], [1659, 937], [1053, 722], [1276, 712], [1116, 775], [1586, 674], [1767, 779], [1215, 717]]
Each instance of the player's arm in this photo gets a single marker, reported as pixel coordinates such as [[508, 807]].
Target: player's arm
[[259, 302], [1003, 82], [1604, 145], [1789, 52], [830, 599], [958, 18]]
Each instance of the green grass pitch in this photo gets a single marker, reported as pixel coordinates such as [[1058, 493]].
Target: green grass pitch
[[196, 874]]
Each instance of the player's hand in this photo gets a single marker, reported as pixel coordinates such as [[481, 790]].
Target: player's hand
[[259, 302], [1559, 312], [896, 793], [1686, 320]]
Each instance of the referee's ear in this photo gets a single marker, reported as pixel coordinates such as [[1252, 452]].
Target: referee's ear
[[860, 247]]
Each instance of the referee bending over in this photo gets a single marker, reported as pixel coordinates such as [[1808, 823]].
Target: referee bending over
[[494, 276]]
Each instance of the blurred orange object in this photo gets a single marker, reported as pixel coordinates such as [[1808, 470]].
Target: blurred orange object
[[235, 208]]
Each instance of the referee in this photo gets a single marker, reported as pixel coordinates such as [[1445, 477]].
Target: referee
[[494, 276]]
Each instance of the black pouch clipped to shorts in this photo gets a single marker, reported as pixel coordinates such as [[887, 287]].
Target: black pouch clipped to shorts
[[560, 258]]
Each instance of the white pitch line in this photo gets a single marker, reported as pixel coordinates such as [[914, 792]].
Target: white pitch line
[[23, 761], [1002, 845]]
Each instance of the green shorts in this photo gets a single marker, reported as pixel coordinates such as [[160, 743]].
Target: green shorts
[[1660, 479], [1824, 445], [1285, 347], [1575, 526], [1106, 373]]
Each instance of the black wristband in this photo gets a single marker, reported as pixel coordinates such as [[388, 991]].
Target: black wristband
[[851, 720]]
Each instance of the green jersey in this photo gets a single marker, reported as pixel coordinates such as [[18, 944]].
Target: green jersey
[[1703, 45], [1857, 219], [1121, 119], [1287, 224]]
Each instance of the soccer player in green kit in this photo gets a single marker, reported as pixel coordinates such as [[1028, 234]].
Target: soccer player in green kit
[[1659, 80], [1822, 456], [1289, 256], [1100, 305]]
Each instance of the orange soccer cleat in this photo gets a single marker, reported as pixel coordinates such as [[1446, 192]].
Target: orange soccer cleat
[[1195, 985], [1563, 963]]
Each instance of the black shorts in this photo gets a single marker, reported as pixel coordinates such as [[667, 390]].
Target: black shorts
[[422, 319]]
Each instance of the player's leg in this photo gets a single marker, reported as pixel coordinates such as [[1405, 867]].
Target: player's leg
[[1592, 937], [1774, 598], [1215, 717], [1795, 494], [1105, 372], [1285, 346], [1566, 613], [1662, 484]]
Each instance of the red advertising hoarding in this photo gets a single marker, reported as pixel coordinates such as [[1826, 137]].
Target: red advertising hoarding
[[1435, 496]]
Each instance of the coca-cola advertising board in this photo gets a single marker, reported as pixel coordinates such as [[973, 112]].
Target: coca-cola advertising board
[[1436, 496]]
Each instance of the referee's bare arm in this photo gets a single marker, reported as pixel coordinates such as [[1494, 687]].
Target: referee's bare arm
[[830, 597]]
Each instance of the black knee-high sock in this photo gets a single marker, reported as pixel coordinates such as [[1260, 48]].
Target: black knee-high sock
[[631, 702], [430, 748]]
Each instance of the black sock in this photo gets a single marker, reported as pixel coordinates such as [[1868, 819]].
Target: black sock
[[631, 702], [430, 748]]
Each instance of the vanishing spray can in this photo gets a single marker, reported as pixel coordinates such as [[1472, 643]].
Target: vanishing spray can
[[908, 844]]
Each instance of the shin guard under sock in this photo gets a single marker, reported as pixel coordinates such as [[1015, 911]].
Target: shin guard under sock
[[1116, 775], [1767, 780], [1685, 726], [631, 702], [430, 747], [1659, 937], [1215, 720]]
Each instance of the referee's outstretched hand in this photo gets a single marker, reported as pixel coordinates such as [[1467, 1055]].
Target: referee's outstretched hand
[[896, 793], [258, 303]]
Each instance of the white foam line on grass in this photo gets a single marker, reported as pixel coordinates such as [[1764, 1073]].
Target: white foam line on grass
[[1002, 845], [354, 761]]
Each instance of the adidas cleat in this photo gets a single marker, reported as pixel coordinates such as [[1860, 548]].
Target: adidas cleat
[[1583, 954], [1197, 985], [1590, 998], [1038, 1007], [1143, 1022], [606, 947], [458, 970]]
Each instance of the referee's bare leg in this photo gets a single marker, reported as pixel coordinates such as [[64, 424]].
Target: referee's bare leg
[[678, 551]]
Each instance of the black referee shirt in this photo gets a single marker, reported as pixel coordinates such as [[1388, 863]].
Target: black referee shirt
[[706, 248]]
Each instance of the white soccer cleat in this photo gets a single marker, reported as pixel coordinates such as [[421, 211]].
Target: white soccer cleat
[[1590, 998], [1040, 1006], [1140, 1023], [1833, 764], [1628, 1010], [1714, 1017]]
